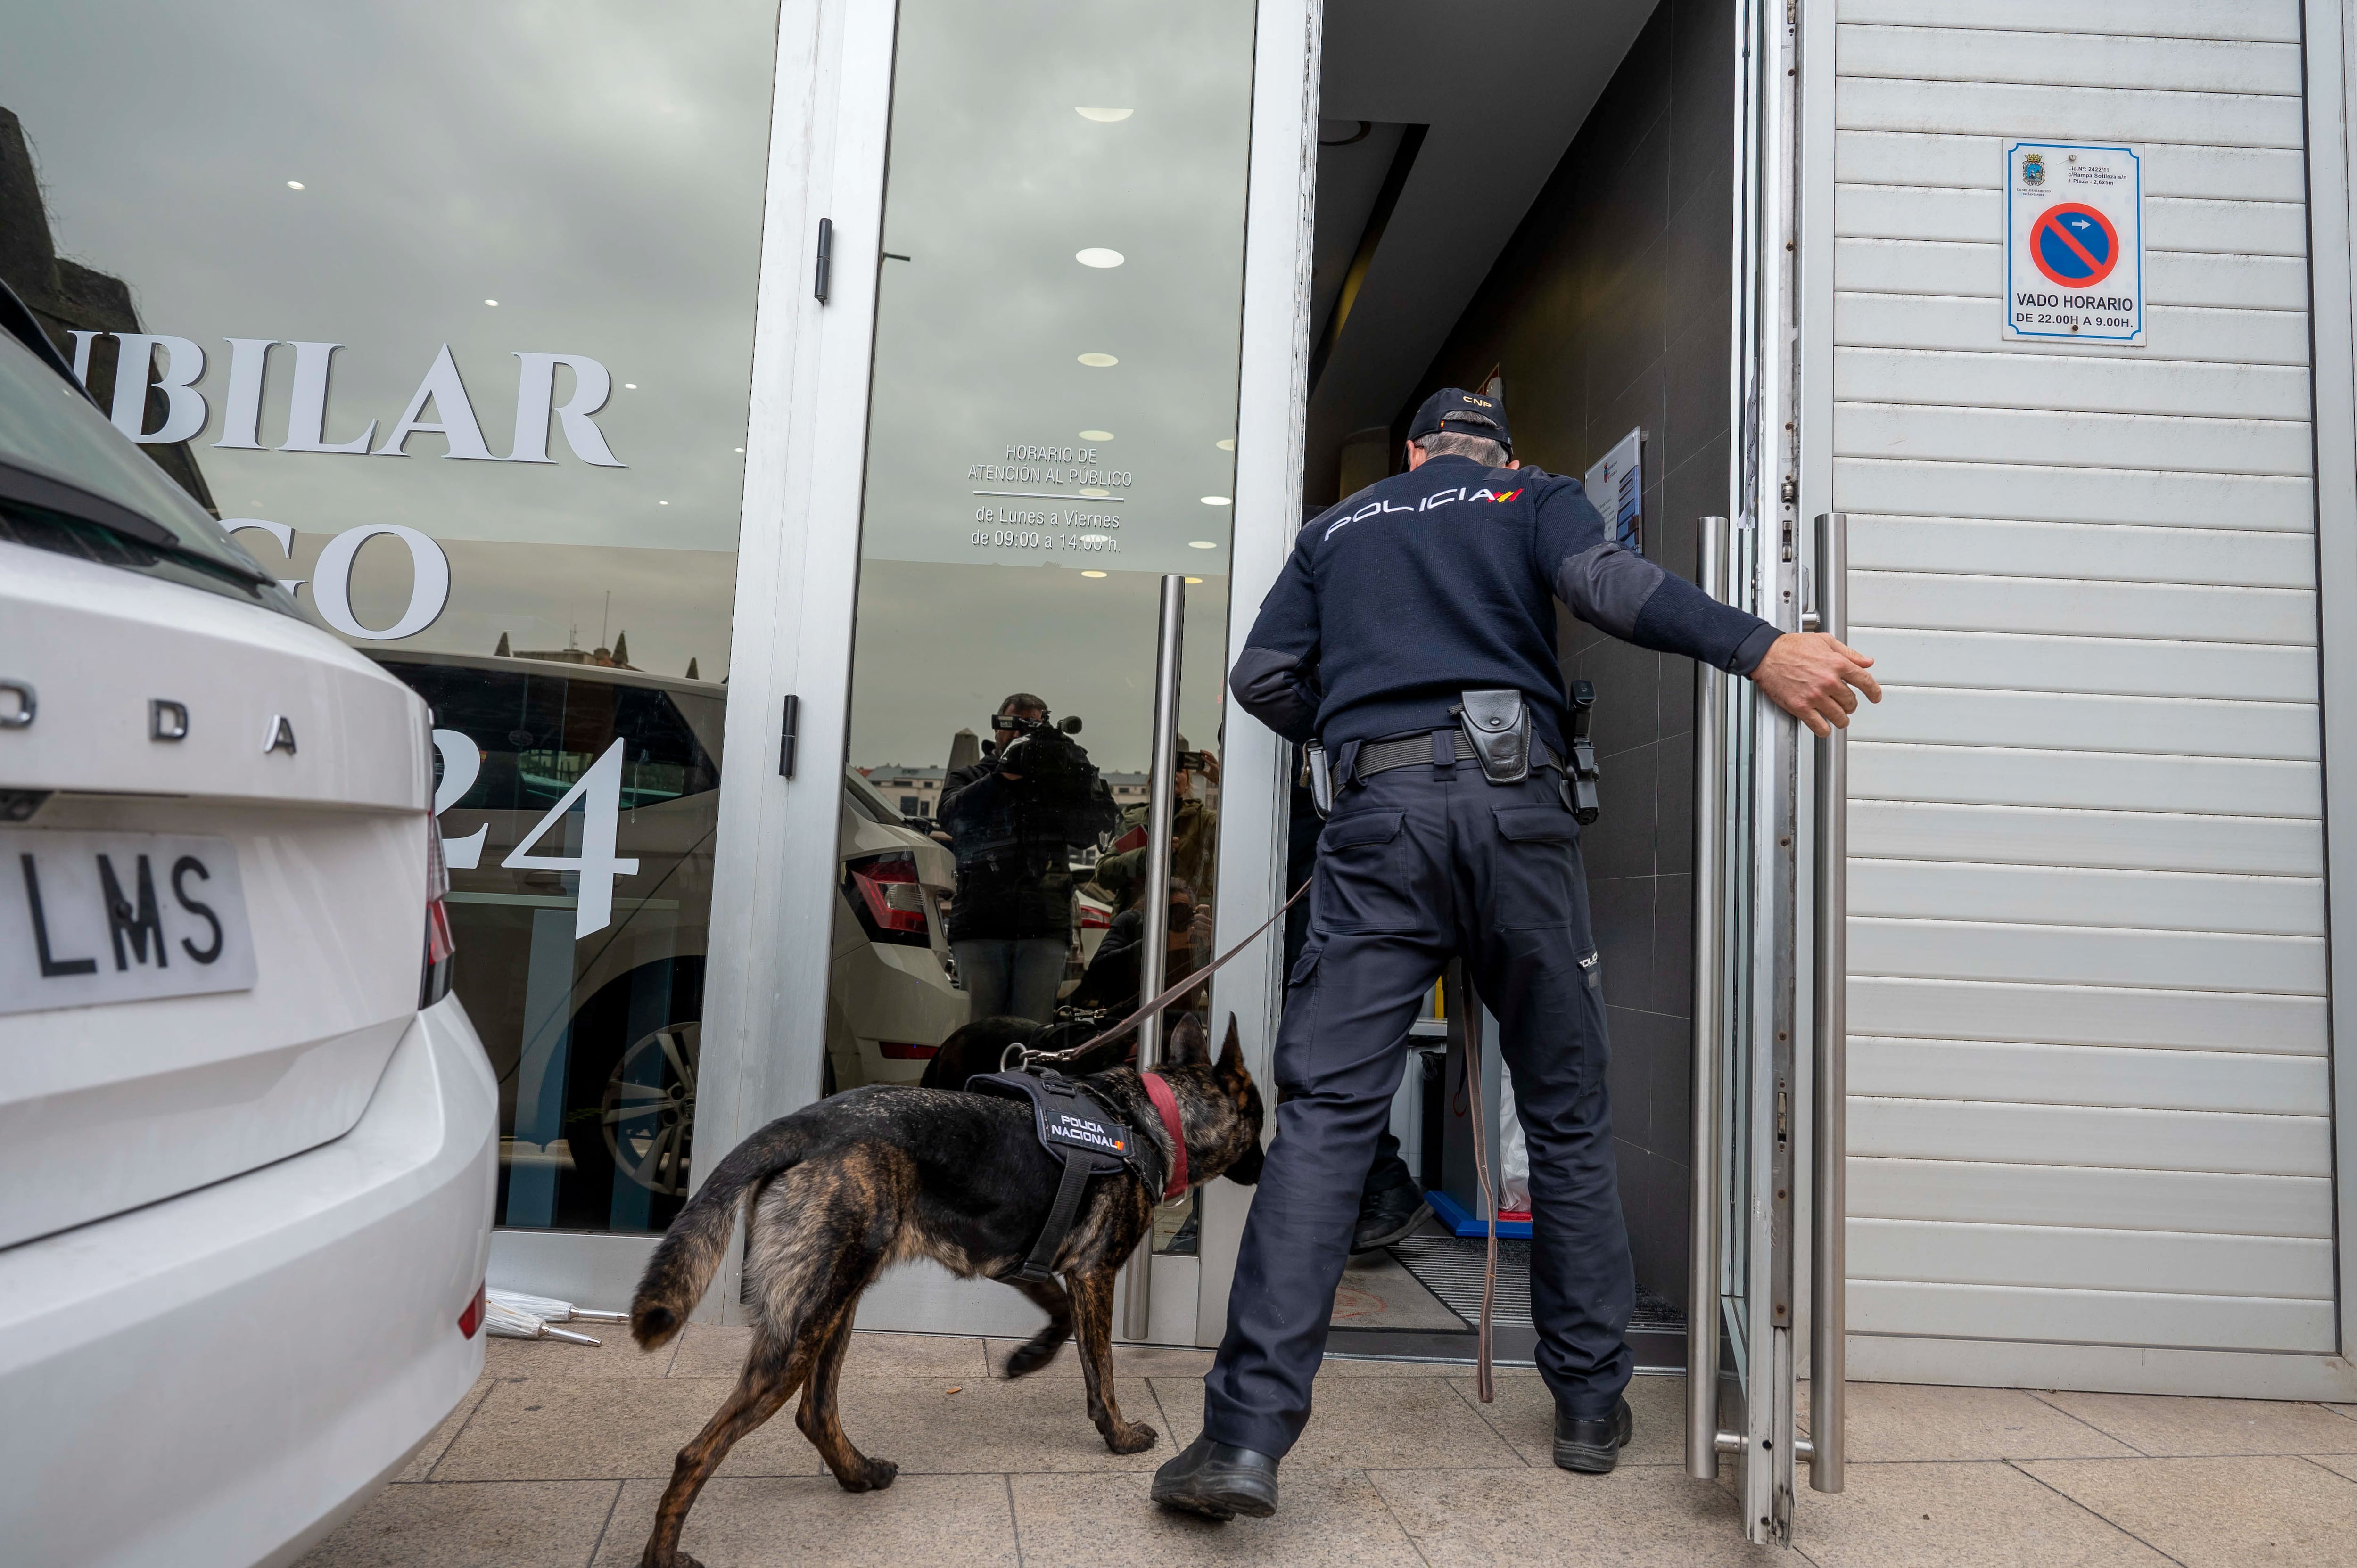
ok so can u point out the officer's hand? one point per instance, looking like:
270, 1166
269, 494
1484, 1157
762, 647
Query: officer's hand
1809, 675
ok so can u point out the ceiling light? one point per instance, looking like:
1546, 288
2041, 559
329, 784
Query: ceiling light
663, 503
1094, 493
1099, 361
493, 302
1191, 581
1217, 501
293, 185
1092, 574
1085, 538
740, 451
1202, 544
1085, 435
629, 386
1098, 256
1104, 116
1227, 446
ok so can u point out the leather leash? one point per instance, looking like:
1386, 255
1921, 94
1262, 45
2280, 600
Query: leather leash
1481, 1379
1021, 1057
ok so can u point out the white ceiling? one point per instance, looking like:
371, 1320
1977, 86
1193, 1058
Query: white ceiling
1503, 87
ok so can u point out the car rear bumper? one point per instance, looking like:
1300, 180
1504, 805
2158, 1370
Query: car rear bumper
223, 1377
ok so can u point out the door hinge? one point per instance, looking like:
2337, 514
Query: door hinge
789, 734
825, 259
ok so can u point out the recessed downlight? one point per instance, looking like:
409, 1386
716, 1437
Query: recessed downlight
1219, 500
492, 303
1227, 446
1098, 256
1086, 434
1104, 116
1202, 544
1092, 574
293, 185
1099, 361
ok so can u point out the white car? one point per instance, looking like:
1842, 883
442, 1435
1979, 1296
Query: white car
247, 1143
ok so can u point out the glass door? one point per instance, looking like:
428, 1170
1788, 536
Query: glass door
1050, 434
467, 361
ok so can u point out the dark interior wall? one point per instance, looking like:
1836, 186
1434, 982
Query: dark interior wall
1610, 311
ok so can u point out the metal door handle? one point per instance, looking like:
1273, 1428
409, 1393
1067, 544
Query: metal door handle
1161, 811
1709, 859
1829, 1274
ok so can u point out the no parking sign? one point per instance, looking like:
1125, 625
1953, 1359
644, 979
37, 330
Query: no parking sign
2074, 242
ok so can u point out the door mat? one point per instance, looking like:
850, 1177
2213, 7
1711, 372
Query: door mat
1451, 1268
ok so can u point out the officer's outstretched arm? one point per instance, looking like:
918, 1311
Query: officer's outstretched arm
1623, 595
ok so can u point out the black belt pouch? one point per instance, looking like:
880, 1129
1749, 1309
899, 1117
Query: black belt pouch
1497, 726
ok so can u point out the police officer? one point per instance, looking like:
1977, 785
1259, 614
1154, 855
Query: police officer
1422, 588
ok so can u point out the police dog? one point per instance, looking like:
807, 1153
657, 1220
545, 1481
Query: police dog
842, 1189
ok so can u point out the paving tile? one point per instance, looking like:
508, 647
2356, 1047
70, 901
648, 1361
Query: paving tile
1957, 1515
1034, 1423
710, 1350
2189, 1428
1370, 1424
772, 1521
1524, 1414
2338, 1464
535, 1524
616, 1355
1549, 1518
2241, 1512
611, 1429
1128, 1360
438, 1442
1902, 1422
1325, 1517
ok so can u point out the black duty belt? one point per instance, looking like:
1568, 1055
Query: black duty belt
1410, 750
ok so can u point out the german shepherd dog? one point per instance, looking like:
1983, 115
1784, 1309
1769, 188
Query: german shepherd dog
842, 1189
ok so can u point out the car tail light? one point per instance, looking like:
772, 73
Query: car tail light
883, 889
1094, 917
906, 1051
470, 1322
439, 944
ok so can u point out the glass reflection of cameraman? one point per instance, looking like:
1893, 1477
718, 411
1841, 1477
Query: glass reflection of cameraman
1013, 818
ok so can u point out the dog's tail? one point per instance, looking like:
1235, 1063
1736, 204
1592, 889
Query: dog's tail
691, 1250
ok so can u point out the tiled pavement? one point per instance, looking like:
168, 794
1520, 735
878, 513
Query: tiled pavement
558, 1456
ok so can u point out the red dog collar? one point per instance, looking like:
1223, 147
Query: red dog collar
1166, 1105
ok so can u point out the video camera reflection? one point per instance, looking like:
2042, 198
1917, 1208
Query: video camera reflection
1013, 818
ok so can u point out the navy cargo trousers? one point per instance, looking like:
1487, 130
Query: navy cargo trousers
1417, 865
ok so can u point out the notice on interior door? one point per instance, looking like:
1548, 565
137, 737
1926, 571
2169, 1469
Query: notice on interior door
2073, 242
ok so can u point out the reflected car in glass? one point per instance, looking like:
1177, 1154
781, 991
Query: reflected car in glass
578, 804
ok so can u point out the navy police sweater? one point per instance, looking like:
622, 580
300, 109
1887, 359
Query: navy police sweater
1437, 581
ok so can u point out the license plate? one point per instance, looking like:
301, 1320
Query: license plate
94, 918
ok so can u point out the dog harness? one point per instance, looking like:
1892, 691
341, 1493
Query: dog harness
1087, 1140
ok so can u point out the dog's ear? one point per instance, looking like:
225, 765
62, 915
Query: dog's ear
1231, 1068
1187, 1044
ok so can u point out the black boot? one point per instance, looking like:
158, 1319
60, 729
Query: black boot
1389, 1216
1218, 1480
1592, 1447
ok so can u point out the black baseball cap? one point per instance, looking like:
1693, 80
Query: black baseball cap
1461, 413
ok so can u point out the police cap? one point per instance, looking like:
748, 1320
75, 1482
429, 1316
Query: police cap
1461, 413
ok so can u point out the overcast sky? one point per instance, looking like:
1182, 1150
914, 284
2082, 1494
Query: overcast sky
595, 165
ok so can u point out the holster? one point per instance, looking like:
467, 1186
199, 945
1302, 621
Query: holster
1497, 724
